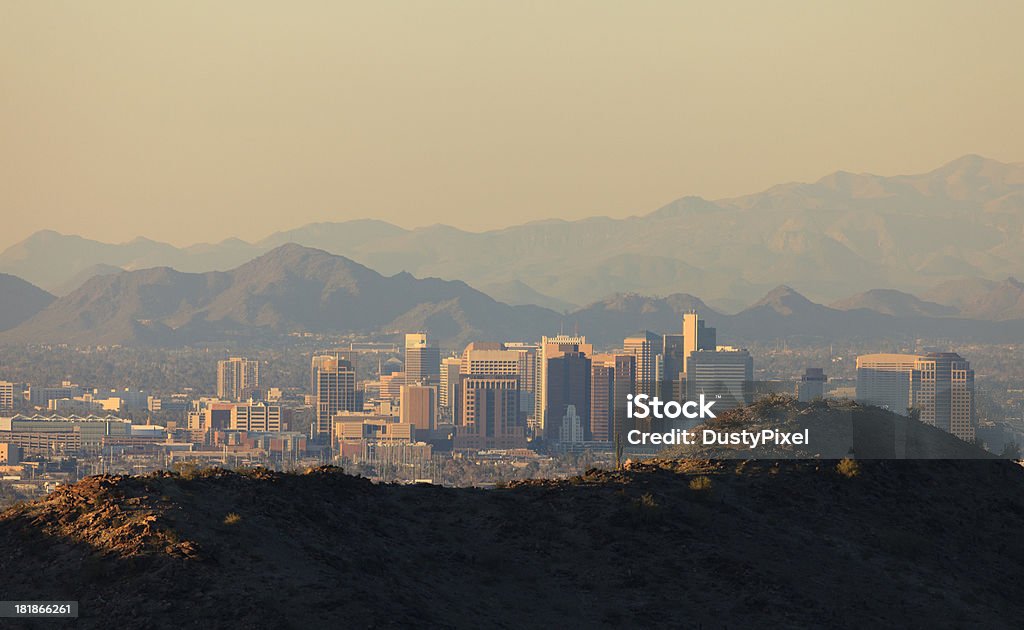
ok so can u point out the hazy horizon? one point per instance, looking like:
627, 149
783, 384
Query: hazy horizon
191, 123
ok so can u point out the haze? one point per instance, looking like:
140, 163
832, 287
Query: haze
190, 122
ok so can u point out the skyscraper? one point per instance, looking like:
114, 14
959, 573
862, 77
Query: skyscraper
340, 354
417, 406
943, 392
696, 336
448, 388
811, 385
422, 361
939, 385
612, 379
552, 347
238, 379
645, 346
724, 375
335, 391
489, 413
883, 380
567, 382
672, 364
6, 396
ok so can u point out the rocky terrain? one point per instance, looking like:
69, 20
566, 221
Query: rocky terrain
667, 543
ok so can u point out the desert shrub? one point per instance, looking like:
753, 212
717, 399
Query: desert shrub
701, 483
232, 518
848, 468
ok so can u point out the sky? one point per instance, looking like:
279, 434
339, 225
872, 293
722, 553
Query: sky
196, 121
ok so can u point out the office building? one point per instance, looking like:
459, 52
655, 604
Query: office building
883, 380
671, 373
725, 375
448, 388
939, 386
391, 386
811, 385
572, 428
418, 406
335, 391
696, 337
257, 417
566, 382
238, 379
422, 361
66, 435
10, 454
7, 396
645, 346
489, 414
553, 347
943, 393
339, 354
612, 379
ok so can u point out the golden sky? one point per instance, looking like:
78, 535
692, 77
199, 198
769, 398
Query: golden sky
195, 121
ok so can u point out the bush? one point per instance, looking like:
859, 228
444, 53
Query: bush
701, 484
232, 519
848, 468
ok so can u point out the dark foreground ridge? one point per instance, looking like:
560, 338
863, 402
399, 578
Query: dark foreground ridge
667, 543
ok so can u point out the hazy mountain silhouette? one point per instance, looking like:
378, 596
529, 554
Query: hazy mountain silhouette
841, 235
893, 302
516, 292
298, 289
289, 289
20, 300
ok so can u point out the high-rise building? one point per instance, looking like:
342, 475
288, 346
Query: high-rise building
725, 375
572, 427
567, 382
939, 385
943, 392
883, 380
339, 354
645, 346
489, 413
418, 406
553, 347
238, 378
391, 386
257, 417
696, 336
448, 389
422, 361
612, 379
529, 373
672, 364
489, 358
335, 391
6, 396
811, 385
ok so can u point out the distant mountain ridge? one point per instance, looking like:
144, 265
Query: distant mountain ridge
841, 235
296, 289
289, 289
19, 300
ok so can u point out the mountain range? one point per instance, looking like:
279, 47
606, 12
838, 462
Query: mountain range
843, 234
296, 289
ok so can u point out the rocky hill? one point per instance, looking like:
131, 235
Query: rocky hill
669, 543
